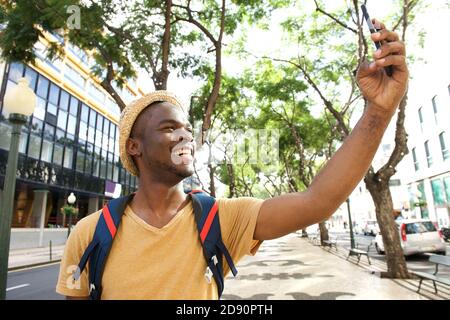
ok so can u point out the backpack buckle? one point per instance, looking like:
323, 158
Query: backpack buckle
91, 288
214, 259
208, 275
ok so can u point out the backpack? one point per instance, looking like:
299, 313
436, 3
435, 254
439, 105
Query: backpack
208, 225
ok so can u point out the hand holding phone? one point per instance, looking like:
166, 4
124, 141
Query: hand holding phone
374, 30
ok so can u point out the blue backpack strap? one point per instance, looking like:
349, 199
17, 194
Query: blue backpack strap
208, 224
98, 250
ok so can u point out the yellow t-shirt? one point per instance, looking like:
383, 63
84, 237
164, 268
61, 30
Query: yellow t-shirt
146, 262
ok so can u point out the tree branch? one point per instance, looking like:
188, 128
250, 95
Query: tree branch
334, 18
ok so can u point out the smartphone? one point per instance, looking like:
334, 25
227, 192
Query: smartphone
372, 29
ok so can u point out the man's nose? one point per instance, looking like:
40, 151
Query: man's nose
186, 135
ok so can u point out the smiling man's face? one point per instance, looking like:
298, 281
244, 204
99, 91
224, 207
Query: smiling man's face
161, 142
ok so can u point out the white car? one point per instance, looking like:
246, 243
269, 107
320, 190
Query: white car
416, 236
371, 228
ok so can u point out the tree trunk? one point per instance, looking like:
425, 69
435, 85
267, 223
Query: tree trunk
214, 95
232, 184
381, 195
160, 77
212, 186
323, 233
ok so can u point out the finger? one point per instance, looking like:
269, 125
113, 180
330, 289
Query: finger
388, 48
385, 35
364, 69
378, 25
394, 60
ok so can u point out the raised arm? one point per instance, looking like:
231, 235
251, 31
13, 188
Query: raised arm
335, 182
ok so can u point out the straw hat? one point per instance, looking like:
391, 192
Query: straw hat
129, 116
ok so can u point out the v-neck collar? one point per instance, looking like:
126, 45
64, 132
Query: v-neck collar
130, 213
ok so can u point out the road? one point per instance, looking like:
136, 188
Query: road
33, 284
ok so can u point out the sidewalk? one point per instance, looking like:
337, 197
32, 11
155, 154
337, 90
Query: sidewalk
293, 268
28, 257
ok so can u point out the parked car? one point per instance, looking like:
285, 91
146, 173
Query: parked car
357, 229
416, 236
371, 227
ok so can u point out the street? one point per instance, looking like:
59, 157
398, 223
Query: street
33, 284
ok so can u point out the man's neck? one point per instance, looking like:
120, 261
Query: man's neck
157, 202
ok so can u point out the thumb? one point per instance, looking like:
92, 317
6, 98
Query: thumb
365, 68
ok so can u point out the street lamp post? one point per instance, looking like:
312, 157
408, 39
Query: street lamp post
352, 236
71, 200
19, 102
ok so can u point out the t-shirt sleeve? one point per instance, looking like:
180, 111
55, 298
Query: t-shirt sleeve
237, 223
79, 239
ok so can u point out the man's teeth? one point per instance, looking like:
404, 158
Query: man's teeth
184, 151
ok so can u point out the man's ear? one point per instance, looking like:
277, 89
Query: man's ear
133, 147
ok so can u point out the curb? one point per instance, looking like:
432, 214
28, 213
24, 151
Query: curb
39, 264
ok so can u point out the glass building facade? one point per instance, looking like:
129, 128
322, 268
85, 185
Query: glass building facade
67, 146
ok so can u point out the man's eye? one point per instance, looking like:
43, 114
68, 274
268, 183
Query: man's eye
170, 129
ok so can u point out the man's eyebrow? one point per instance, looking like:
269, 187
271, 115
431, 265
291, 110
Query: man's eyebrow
187, 124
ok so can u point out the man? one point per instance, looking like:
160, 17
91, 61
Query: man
156, 253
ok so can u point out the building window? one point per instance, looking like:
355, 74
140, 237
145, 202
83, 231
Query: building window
428, 154
47, 144
5, 135
64, 101
84, 113
34, 147
39, 110
89, 153
80, 159
438, 192
68, 158
71, 124
420, 118
62, 119
15, 71
96, 93
60, 136
73, 106
96, 166
102, 169
100, 123
32, 76
58, 154
53, 94
447, 188
74, 77
82, 132
423, 199
435, 108
98, 137
92, 118
42, 87
416, 163
444, 147
52, 109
